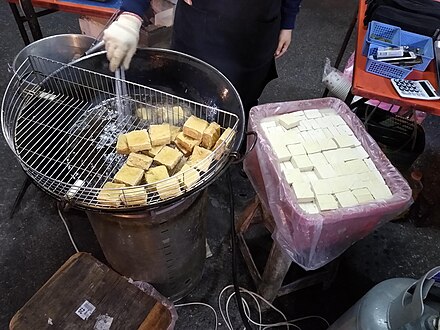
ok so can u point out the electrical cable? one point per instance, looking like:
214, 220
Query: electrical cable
234, 255
202, 304
67, 228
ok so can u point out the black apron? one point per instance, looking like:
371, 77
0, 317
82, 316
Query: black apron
238, 37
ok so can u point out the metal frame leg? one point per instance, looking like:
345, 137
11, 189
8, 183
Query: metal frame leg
32, 19
20, 24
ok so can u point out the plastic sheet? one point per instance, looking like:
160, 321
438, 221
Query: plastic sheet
313, 240
151, 291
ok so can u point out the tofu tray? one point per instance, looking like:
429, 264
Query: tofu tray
70, 138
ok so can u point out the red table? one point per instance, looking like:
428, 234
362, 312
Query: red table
372, 86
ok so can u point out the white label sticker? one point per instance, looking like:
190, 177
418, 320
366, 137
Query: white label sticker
85, 310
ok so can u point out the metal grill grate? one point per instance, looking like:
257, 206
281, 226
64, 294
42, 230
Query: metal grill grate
63, 128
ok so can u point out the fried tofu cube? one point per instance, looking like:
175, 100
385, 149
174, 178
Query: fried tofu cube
201, 158
139, 160
226, 137
210, 135
169, 157
109, 194
142, 113
185, 143
160, 135
169, 188
131, 176
155, 174
188, 176
153, 151
138, 140
122, 145
134, 196
174, 130
194, 127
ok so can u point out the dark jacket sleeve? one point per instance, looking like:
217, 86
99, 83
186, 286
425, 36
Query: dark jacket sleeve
138, 7
289, 10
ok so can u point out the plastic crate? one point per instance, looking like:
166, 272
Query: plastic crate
425, 45
384, 69
381, 34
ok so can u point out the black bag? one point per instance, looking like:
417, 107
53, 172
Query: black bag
418, 16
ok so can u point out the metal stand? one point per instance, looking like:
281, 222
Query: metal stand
24, 187
30, 17
270, 283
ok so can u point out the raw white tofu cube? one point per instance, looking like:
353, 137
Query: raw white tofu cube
337, 120
332, 156
379, 190
321, 187
347, 154
296, 149
341, 168
312, 114
315, 124
293, 175
376, 174
344, 130
285, 166
275, 131
370, 164
305, 125
318, 159
344, 141
299, 113
327, 112
327, 133
295, 130
282, 153
324, 171
326, 202
289, 137
340, 183
306, 136
302, 162
361, 153
312, 147
319, 134
334, 131
289, 120
310, 208
327, 144
303, 192
357, 166
360, 181
309, 176
362, 195
268, 123
346, 199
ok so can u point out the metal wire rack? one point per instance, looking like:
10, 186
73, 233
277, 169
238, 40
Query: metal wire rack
63, 129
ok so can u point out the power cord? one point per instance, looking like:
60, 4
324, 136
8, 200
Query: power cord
60, 213
243, 316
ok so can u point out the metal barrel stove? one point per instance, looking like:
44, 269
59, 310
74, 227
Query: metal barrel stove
61, 122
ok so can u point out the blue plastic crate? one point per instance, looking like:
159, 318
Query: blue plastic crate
381, 34
425, 45
384, 69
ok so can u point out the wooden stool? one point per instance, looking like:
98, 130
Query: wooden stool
270, 283
86, 294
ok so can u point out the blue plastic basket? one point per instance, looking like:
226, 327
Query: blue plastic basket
381, 34
425, 45
384, 69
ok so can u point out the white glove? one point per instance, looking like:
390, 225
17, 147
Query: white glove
121, 39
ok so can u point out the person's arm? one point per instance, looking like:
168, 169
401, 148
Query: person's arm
122, 36
289, 11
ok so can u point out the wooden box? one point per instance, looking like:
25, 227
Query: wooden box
86, 294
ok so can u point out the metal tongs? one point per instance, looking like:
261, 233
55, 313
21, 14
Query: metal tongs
121, 92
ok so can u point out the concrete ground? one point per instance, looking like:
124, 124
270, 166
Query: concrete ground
34, 244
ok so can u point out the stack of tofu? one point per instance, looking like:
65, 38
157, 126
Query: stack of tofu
323, 161
169, 159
